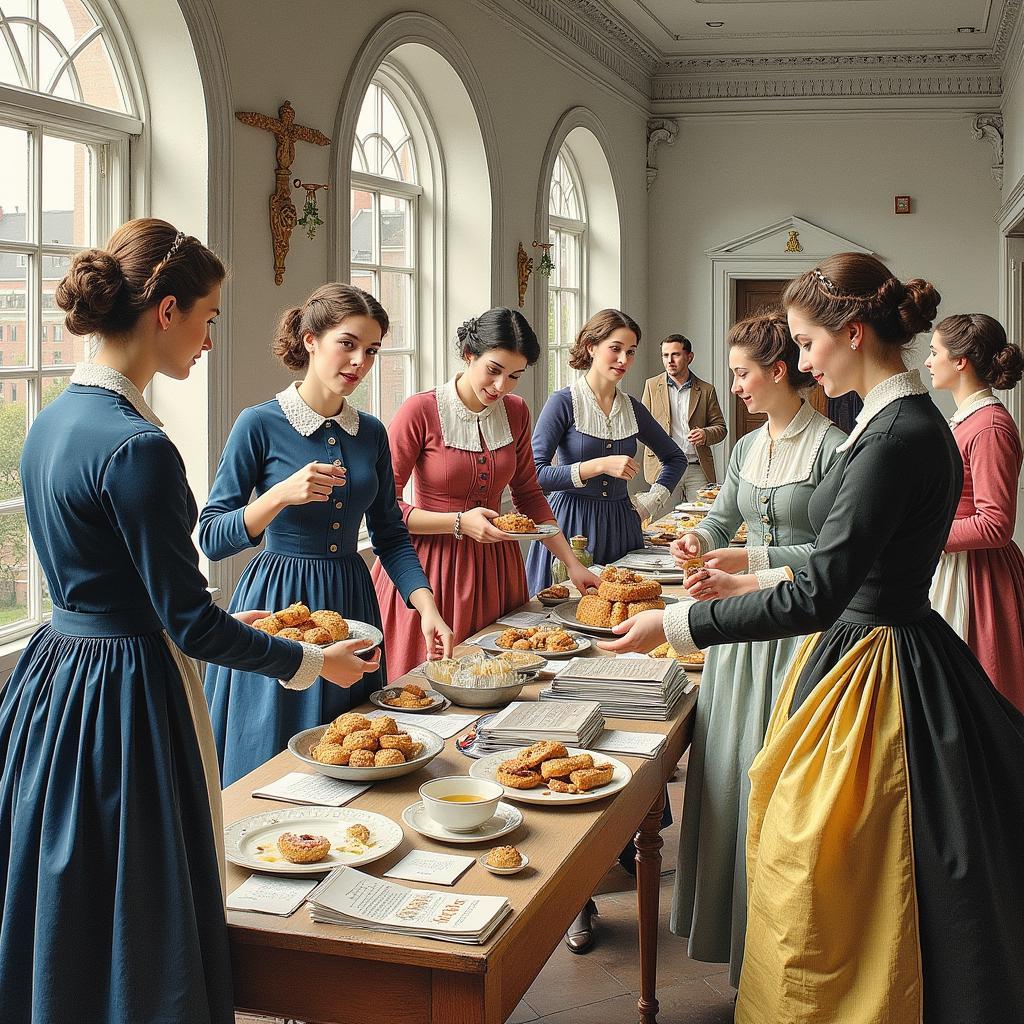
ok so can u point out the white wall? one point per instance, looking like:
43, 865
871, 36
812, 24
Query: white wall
728, 175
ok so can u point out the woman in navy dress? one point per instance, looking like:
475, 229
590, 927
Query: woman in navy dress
317, 467
111, 842
885, 838
593, 427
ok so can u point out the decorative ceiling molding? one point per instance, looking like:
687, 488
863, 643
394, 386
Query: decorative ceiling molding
659, 130
990, 127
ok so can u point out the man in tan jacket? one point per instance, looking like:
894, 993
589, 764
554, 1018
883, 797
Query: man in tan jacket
688, 410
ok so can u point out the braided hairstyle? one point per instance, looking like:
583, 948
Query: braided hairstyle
500, 327
105, 291
854, 286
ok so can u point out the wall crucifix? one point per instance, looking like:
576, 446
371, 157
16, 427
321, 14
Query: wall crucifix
283, 215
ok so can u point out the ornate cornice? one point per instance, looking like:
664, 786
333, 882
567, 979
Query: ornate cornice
818, 62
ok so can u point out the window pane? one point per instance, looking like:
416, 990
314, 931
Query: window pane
362, 397
13, 569
568, 325
53, 387
363, 279
553, 338
568, 260
567, 375
395, 237
363, 218
395, 383
60, 346
16, 62
13, 425
97, 77
68, 20
13, 183
396, 297
68, 189
50, 60
14, 343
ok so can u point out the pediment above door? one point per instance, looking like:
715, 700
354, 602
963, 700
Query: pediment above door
779, 240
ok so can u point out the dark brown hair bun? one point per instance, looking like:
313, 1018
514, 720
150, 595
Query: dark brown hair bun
981, 340
765, 336
89, 291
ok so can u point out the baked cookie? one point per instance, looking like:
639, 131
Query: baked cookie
330, 753
362, 759
384, 758
590, 778
303, 849
542, 750
268, 624
293, 614
359, 832
562, 767
365, 739
519, 777
332, 622
504, 857
383, 726
397, 741
561, 786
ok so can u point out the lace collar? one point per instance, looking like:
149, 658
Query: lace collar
899, 385
589, 418
461, 427
979, 400
307, 421
791, 458
92, 375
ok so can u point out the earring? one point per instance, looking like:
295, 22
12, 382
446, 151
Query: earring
853, 345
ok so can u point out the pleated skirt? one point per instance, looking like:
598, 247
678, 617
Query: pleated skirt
885, 837
112, 901
254, 716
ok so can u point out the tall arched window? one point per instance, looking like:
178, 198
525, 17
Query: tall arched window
567, 224
385, 210
66, 116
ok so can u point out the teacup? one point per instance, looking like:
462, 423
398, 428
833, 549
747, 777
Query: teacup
478, 800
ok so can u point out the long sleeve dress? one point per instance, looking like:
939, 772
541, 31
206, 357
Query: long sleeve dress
459, 460
979, 584
885, 838
111, 842
574, 427
768, 486
310, 555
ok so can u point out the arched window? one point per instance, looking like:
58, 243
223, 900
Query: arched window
385, 211
567, 232
66, 117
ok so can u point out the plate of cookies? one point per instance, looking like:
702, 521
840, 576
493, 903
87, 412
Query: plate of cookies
360, 749
548, 772
411, 697
523, 527
322, 627
555, 594
310, 840
548, 641
621, 595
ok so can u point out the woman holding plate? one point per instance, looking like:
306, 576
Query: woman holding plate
462, 444
317, 466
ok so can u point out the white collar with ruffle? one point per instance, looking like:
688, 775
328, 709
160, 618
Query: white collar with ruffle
91, 375
589, 418
307, 421
461, 427
979, 400
790, 459
899, 385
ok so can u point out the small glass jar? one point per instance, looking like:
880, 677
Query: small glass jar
559, 573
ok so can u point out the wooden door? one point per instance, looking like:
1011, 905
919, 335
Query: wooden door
752, 297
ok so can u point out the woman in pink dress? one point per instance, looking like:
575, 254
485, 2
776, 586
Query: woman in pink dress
979, 583
463, 443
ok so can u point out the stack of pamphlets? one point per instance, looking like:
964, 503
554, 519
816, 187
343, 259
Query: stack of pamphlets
640, 688
574, 723
350, 897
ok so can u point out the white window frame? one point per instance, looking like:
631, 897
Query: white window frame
110, 134
558, 225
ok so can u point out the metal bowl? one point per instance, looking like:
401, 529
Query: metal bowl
480, 696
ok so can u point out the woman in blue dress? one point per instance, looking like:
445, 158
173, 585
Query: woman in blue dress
593, 427
317, 467
772, 474
111, 842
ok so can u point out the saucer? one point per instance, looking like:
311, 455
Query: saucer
502, 871
506, 819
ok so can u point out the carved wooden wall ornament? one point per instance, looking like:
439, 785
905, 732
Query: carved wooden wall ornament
283, 216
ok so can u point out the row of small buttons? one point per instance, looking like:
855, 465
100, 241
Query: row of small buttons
333, 548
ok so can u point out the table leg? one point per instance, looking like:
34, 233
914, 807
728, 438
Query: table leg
648, 844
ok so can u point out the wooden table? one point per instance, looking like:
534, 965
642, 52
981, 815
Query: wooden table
291, 967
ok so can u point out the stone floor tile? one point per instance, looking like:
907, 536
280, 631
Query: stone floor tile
522, 1014
569, 981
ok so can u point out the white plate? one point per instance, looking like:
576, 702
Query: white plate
694, 506
506, 819
583, 643
503, 871
487, 768
242, 838
566, 613
361, 631
438, 701
543, 532
301, 742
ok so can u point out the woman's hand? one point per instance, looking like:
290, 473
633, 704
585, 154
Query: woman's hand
684, 548
476, 524
249, 617
728, 559
582, 578
437, 635
620, 466
343, 667
643, 633
311, 483
711, 583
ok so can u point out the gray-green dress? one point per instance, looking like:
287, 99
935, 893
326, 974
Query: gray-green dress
767, 486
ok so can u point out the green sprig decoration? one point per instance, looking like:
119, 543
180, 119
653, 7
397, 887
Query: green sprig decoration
310, 219
546, 264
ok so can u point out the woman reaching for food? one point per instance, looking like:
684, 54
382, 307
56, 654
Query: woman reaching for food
462, 443
317, 467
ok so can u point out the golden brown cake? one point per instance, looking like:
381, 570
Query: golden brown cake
303, 849
504, 857
624, 585
513, 522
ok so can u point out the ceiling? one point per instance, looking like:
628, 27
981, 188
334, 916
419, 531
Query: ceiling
670, 29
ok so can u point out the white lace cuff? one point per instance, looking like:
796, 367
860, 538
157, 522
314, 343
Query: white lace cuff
758, 560
707, 542
577, 479
309, 669
677, 627
768, 578
651, 504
